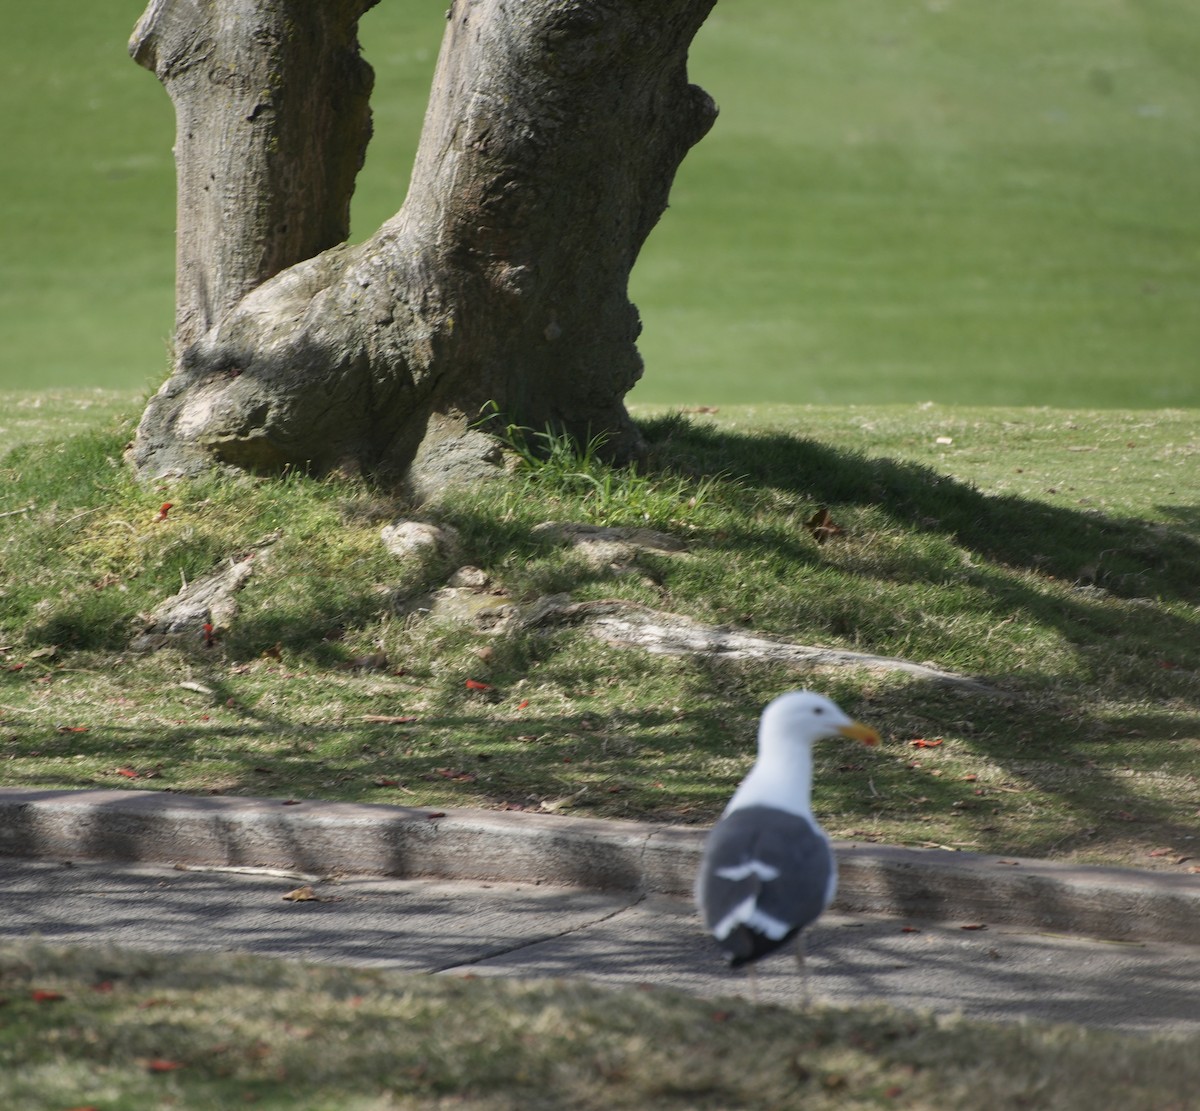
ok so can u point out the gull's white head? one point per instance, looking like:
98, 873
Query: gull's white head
805, 717
782, 774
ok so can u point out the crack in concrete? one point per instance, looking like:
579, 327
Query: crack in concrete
529, 943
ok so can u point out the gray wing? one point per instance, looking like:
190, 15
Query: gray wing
764, 876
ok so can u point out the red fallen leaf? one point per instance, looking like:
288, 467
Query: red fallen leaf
476, 685
436, 814
1166, 665
909, 930
161, 1064
1162, 852
40, 996
974, 926
164, 509
387, 781
456, 774
103, 987
85, 1107
210, 637
970, 778
73, 728
894, 1092
15, 667
128, 773
921, 742
822, 526
721, 1016
523, 703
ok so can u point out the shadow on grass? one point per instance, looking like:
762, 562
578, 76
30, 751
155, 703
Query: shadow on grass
1131, 558
453, 757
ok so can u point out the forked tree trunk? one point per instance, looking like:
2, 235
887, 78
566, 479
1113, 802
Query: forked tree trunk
553, 133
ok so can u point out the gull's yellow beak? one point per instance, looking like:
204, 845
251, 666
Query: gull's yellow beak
860, 732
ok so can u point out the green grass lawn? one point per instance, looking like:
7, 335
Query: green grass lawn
124, 1032
962, 202
1053, 555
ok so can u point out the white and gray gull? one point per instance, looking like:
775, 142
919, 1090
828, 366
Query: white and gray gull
768, 869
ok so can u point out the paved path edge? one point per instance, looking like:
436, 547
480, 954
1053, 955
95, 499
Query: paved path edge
334, 838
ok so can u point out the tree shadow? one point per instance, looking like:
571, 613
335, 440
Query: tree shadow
1128, 557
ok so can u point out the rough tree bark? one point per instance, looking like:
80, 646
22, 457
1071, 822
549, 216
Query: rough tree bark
553, 133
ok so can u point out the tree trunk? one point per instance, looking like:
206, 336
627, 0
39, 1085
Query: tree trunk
552, 136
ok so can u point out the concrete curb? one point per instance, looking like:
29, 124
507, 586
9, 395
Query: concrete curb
330, 838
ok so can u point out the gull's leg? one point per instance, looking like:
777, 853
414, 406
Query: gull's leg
802, 968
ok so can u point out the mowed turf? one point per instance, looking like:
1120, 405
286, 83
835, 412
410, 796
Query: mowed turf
1051, 555
961, 202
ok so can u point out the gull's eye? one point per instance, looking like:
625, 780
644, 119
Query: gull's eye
818, 709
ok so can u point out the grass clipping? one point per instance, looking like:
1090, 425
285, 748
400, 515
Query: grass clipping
117, 1029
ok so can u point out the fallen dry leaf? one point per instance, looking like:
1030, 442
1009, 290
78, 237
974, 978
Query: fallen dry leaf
128, 773
303, 894
476, 685
974, 926
455, 774
921, 742
822, 526
389, 719
161, 1064
40, 996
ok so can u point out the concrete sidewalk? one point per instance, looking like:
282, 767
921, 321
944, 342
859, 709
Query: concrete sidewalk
620, 939
536, 895
329, 838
